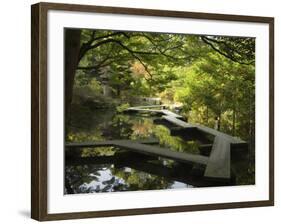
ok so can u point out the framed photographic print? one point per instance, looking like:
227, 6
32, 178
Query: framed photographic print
139, 111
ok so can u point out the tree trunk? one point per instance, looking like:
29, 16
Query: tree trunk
218, 122
106, 90
233, 121
118, 91
207, 115
71, 57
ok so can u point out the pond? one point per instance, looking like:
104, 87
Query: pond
111, 169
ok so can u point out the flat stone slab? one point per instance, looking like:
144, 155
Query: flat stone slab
219, 164
147, 150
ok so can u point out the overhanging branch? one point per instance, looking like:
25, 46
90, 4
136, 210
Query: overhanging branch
208, 41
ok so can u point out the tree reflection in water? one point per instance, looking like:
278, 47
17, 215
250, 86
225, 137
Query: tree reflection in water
107, 178
132, 173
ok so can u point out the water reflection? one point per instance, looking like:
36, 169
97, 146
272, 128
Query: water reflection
111, 179
108, 126
108, 169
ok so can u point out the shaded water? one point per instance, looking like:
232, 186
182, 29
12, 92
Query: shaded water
107, 169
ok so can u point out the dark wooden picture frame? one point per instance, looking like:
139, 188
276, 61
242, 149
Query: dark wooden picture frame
39, 105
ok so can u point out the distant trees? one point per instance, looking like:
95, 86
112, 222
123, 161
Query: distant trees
212, 76
118, 52
218, 90
237, 49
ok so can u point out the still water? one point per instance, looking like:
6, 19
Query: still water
108, 169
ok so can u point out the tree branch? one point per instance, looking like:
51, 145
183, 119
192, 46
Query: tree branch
162, 51
94, 66
133, 53
87, 46
208, 42
111, 35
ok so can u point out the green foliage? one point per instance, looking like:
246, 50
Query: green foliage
174, 143
214, 86
211, 79
122, 107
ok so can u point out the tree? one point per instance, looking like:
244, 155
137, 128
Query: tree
71, 55
216, 87
237, 49
92, 50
